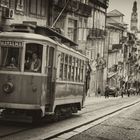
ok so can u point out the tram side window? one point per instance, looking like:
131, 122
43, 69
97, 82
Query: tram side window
33, 57
73, 69
81, 71
70, 66
66, 67
76, 68
61, 66
50, 60
10, 58
79, 68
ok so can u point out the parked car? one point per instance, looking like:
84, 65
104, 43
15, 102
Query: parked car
112, 91
132, 91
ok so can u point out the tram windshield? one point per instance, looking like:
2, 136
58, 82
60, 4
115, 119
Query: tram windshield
10, 58
33, 57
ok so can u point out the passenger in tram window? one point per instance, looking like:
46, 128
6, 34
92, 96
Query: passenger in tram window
12, 63
35, 63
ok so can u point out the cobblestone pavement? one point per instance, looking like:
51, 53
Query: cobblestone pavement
124, 126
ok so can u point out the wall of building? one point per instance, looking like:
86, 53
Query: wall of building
115, 56
95, 47
24, 10
118, 19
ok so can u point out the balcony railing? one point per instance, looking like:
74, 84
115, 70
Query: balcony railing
102, 3
95, 32
74, 6
114, 68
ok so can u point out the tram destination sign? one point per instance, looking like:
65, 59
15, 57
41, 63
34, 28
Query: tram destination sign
11, 43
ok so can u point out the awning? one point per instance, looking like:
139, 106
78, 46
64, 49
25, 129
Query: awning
111, 74
116, 46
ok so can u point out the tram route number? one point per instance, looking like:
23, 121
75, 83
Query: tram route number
11, 43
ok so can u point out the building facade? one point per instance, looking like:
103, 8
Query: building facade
96, 44
134, 19
18, 11
115, 48
131, 60
73, 21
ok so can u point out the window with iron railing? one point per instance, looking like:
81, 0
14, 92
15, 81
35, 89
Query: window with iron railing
20, 5
37, 7
4, 3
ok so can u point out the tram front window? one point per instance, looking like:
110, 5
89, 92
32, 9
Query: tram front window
33, 57
10, 58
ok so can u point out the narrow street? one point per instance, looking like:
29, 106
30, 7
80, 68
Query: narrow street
94, 109
56, 53
124, 126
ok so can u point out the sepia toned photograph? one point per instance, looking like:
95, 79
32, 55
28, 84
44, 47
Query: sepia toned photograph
69, 70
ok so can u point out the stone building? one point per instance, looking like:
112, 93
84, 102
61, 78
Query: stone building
96, 44
83, 21
131, 60
73, 21
114, 49
17, 11
134, 18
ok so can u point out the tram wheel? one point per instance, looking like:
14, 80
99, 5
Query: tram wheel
57, 115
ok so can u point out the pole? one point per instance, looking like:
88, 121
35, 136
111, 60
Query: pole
60, 14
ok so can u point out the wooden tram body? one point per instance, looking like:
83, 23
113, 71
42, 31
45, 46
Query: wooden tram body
59, 86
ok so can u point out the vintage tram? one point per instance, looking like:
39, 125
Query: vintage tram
55, 85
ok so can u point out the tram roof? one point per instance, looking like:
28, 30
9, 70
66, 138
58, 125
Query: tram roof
22, 35
33, 36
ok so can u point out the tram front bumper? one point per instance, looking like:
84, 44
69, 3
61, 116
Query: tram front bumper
21, 106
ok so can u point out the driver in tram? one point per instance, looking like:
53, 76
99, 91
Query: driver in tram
35, 63
12, 63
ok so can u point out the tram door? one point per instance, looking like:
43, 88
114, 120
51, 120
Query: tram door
50, 75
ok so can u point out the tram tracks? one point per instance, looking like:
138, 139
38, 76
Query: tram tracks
89, 111
12, 128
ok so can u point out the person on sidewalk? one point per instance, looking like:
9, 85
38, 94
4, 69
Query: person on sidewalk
99, 91
122, 91
128, 92
87, 81
107, 91
138, 91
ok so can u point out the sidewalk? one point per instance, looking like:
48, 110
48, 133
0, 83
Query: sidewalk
98, 99
104, 108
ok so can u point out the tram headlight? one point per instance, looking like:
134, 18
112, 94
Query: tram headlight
8, 87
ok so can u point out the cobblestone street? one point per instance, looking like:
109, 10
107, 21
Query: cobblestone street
124, 126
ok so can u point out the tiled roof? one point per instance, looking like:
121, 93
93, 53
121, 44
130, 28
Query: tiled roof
113, 23
114, 13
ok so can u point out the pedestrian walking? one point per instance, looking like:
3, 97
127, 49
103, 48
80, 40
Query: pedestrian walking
106, 91
99, 91
139, 91
122, 91
128, 92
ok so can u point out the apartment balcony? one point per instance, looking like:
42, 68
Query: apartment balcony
74, 6
102, 3
114, 68
123, 39
96, 33
116, 46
